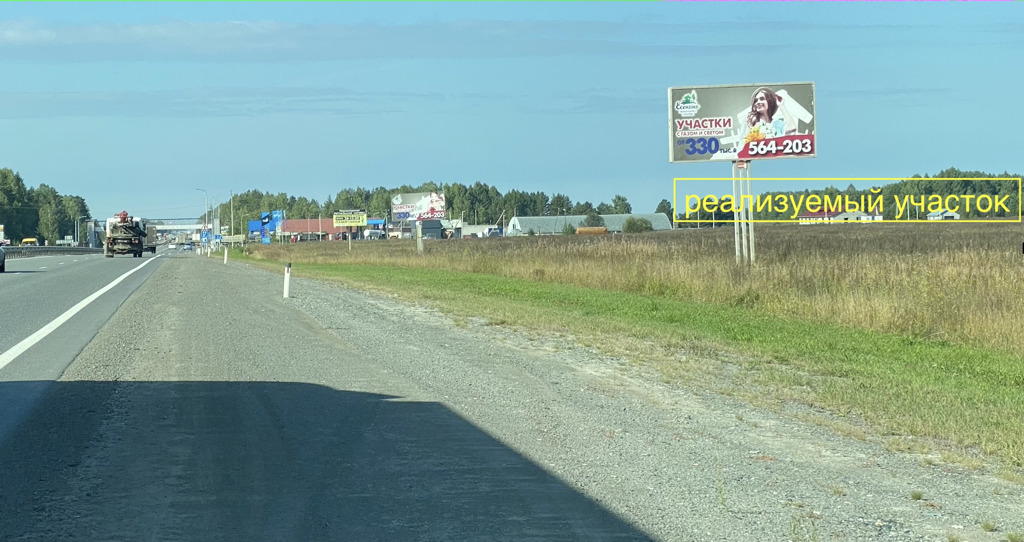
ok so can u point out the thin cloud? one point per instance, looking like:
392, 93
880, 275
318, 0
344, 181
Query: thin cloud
228, 102
922, 96
205, 102
264, 41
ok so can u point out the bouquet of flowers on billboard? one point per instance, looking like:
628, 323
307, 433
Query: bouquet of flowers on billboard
771, 128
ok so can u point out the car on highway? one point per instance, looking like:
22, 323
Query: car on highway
3, 259
172, 246
188, 246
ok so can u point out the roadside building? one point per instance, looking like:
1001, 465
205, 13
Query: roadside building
323, 229
943, 215
554, 225
818, 217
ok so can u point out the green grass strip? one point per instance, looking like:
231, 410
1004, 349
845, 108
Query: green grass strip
900, 385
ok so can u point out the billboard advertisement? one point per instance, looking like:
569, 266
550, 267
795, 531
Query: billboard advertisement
741, 122
419, 206
349, 218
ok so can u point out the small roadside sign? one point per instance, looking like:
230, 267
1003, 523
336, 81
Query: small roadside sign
349, 218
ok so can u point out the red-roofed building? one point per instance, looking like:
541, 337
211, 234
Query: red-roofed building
818, 217
322, 229
832, 216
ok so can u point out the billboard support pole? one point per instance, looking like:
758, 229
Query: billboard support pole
736, 215
419, 237
750, 215
744, 225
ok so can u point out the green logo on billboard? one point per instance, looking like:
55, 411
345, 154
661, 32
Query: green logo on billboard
687, 106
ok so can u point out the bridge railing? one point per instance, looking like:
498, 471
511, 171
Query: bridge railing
28, 252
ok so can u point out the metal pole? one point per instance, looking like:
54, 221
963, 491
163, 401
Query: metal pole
232, 214
419, 237
735, 215
206, 208
744, 226
751, 225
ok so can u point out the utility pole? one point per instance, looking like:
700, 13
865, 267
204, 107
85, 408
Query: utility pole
78, 235
232, 213
206, 211
206, 206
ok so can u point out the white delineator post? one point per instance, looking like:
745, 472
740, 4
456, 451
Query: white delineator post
287, 278
225, 255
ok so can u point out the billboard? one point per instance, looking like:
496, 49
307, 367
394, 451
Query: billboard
741, 122
419, 206
349, 218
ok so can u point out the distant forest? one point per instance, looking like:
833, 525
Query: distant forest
43, 212
481, 203
40, 212
476, 204
916, 185
921, 185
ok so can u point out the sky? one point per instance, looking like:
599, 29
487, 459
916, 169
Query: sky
140, 106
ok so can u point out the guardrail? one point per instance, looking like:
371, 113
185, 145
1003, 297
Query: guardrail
28, 252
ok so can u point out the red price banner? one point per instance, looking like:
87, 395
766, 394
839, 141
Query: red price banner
791, 145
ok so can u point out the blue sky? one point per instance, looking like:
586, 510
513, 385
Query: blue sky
136, 105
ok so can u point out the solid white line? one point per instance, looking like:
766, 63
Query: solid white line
32, 339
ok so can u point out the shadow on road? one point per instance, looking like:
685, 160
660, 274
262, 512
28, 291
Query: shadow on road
272, 461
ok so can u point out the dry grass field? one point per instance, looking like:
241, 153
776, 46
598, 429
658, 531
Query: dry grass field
902, 331
961, 283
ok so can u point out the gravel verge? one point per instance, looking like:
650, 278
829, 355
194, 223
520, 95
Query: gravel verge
681, 463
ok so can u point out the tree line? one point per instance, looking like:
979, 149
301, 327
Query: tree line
44, 213
478, 203
917, 186
39, 212
920, 186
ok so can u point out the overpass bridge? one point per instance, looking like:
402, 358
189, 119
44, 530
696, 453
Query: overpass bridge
179, 224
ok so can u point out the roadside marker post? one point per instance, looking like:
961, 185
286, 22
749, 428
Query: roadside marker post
287, 278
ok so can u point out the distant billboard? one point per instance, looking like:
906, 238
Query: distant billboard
741, 122
418, 206
349, 218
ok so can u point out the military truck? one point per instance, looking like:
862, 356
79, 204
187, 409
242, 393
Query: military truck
126, 235
150, 242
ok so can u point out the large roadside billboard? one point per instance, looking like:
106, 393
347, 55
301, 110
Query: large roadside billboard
741, 122
418, 206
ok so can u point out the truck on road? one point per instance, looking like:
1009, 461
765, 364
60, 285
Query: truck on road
150, 242
127, 235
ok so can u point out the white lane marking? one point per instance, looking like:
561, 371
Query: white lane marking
32, 339
43, 267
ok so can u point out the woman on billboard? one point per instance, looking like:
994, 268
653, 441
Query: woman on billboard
768, 118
